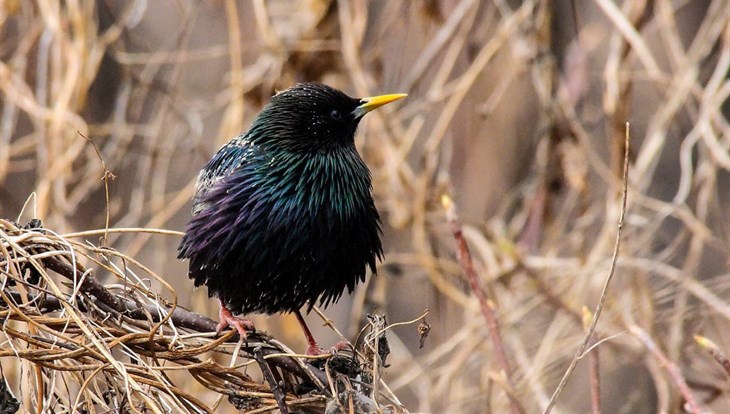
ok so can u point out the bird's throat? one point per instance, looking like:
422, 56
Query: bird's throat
335, 183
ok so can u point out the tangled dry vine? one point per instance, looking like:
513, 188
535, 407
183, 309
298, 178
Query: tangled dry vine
93, 346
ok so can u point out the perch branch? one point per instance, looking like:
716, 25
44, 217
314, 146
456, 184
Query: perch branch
279, 394
181, 318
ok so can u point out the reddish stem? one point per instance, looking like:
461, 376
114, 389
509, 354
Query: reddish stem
594, 373
487, 307
674, 373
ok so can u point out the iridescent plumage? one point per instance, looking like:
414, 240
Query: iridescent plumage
283, 214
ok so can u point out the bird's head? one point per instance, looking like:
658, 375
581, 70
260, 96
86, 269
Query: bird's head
313, 116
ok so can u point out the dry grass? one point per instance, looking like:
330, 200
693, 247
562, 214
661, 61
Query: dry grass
517, 112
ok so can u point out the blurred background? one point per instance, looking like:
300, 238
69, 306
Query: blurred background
516, 109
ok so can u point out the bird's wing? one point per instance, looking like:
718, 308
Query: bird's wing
230, 157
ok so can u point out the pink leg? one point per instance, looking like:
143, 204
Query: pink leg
227, 319
313, 348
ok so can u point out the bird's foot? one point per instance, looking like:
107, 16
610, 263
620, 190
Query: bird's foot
314, 350
227, 319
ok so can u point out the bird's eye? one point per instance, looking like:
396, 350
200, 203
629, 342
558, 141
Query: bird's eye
336, 115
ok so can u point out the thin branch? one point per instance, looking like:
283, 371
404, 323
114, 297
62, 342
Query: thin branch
715, 352
670, 366
604, 293
594, 367
487, 306
105, 177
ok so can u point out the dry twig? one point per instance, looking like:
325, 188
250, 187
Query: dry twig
604, 292
486, 305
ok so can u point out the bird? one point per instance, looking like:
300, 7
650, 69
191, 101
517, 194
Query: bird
283, 215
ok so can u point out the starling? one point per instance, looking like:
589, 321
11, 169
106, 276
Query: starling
283, 215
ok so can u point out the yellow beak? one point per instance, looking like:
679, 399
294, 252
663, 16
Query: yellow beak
372, 102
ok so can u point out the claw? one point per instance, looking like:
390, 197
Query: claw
228, 320
313, 349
